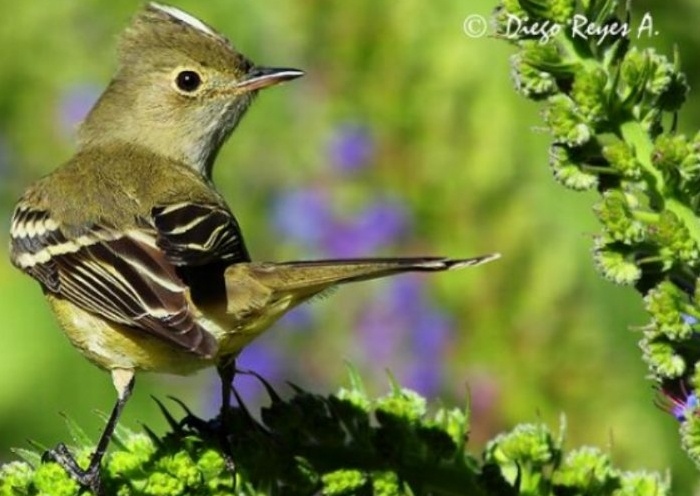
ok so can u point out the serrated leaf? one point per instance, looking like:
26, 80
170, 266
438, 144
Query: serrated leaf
77, 434
33, 458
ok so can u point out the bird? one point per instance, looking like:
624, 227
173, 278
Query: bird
140, 258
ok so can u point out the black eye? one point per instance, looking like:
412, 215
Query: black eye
188, 81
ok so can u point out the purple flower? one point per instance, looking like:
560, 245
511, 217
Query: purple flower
74, 105
683, 409
402, 330
300, 318
407, 295
676, 400
306, 216
303, 215
423, 376
379, 225
350, 148
262, 358
379, 332
385, 325
382, 223
432, 332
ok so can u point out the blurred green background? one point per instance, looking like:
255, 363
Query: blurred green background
404, 138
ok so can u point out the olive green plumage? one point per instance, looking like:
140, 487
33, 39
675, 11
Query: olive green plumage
140, 258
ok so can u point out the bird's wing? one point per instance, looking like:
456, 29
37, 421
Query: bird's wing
124, 276
195, 234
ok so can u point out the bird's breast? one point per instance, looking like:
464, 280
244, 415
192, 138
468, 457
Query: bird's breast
110, 345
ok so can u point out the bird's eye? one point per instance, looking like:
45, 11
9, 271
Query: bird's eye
188, 81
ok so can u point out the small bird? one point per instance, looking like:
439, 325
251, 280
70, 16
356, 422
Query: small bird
139, 256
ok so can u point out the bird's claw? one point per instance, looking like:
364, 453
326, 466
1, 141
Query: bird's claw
88, 478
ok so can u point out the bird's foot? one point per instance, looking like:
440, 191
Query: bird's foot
88, 478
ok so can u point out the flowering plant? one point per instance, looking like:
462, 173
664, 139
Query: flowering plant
610, 109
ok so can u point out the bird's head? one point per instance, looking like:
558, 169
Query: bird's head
180, 89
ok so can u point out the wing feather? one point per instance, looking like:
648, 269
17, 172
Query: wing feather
199, 234
122, 276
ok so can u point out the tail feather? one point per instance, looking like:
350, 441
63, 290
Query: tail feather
252, 287
394, 264
323, 273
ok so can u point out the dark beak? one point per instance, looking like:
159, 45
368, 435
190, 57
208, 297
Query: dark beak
262, 77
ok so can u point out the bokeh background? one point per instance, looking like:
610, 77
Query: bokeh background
405, 138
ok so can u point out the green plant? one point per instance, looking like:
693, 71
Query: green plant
341, 444
610, 109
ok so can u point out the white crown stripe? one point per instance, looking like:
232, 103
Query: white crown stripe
184, 17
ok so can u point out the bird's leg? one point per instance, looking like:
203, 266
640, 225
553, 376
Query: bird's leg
227, 371
90, 478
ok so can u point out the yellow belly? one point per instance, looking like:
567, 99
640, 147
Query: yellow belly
111, 346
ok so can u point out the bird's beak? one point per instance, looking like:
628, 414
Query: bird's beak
262, 77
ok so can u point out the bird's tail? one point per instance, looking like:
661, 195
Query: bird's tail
255, 284
297, 275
